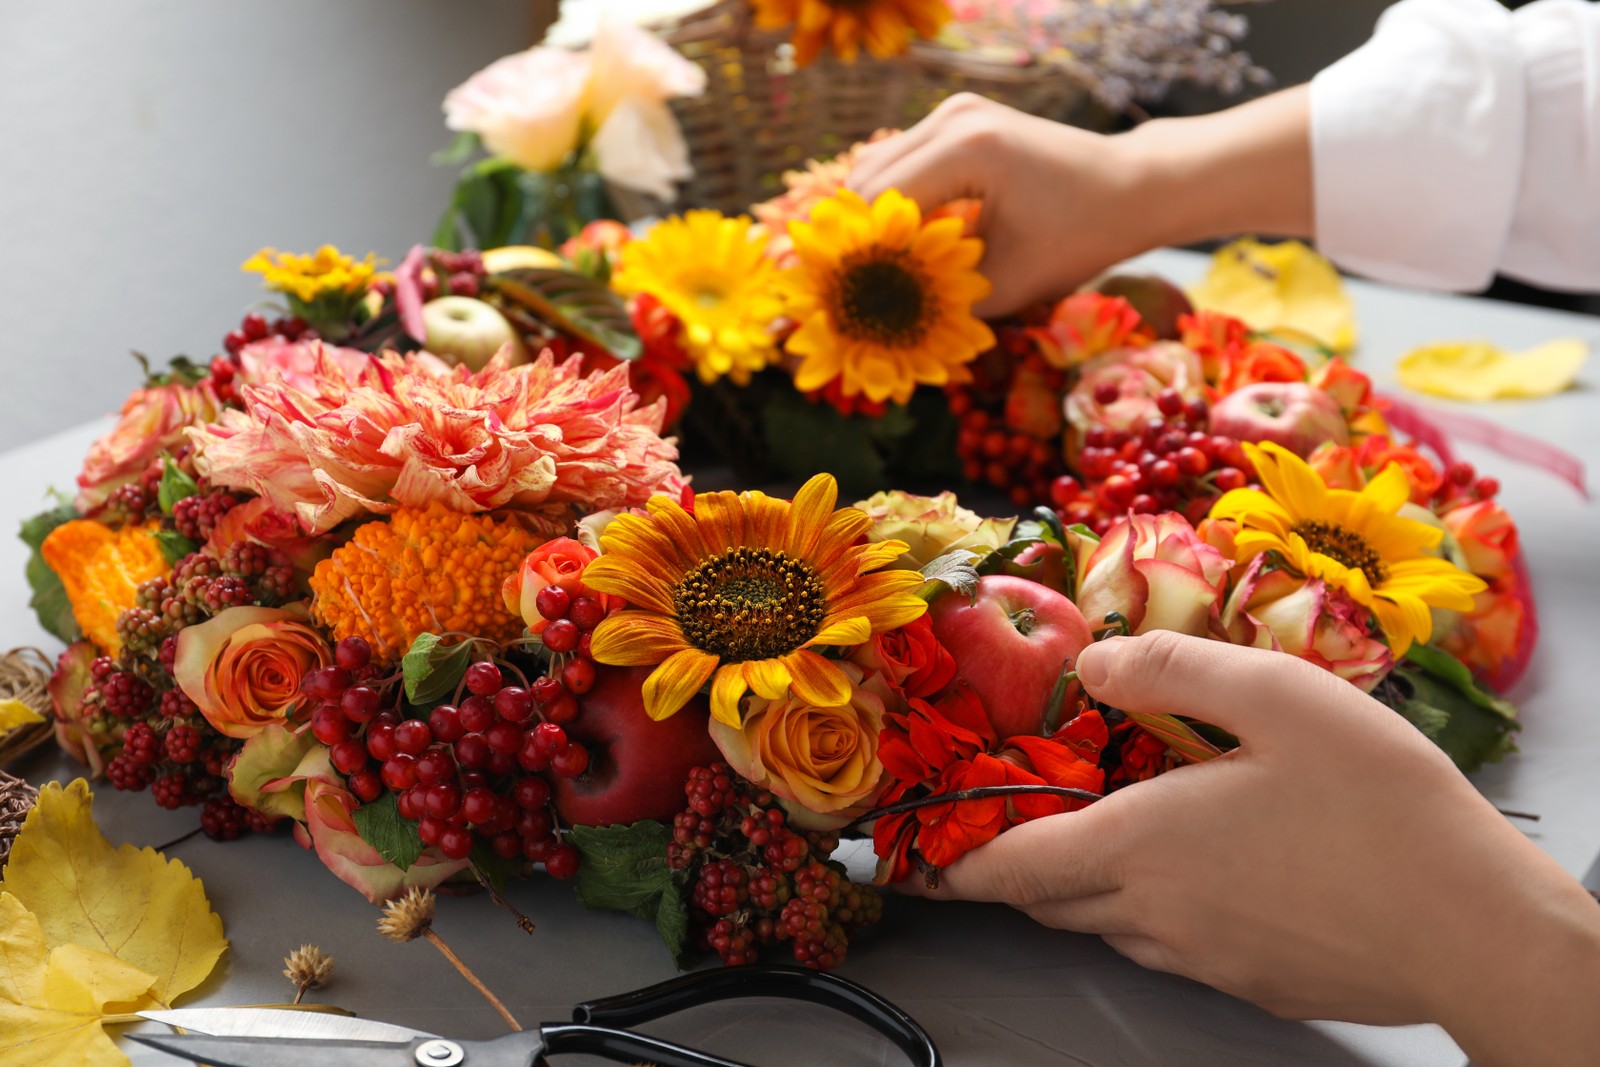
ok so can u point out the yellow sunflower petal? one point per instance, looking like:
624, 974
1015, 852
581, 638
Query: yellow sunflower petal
727, 689
636, 639
1389, 489
1252, 508
769, 678
620, 577
1405, 621
679, 677
817, 681
808, 515
879, 554
721, 520
845, 632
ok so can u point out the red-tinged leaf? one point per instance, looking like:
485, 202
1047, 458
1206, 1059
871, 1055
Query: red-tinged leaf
571, 302
1178, 736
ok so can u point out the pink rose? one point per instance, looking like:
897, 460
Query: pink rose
1138, 376
294, 363
330, 829
1306, 618
559, 562
243, 667
152, 422
1154, 571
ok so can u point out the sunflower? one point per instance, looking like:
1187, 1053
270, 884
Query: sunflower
713, 273
884, 26
1352, 540
743, 590
882, 299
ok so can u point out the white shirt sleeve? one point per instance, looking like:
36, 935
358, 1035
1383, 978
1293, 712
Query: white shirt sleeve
1463, 140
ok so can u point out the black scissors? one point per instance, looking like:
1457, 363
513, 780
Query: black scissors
269, 1037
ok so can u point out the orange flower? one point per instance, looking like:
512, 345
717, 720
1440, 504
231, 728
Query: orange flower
1259, 361
152, 422
1086, 324
1212, 336
560, 563
1378, 451
101, 569
243, 667
909, 658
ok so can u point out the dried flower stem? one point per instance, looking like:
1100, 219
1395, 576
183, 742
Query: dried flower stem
523, 922
466, 972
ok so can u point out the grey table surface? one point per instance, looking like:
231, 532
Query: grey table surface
991, 987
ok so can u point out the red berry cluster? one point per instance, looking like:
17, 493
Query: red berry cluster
755, 881
252, 328
1010, 460
470, 773
195, 517
1170, 464
1461, 485
456, 273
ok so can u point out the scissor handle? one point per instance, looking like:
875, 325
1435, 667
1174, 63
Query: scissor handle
762, 980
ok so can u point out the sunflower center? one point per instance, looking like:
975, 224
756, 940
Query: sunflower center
879, 297
750, 604
1346, 546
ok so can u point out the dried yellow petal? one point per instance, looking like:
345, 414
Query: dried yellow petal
1478, 370
1281, 288
14, 713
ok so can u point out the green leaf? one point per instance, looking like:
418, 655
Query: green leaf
572, 302
49, 600
625, 868
174, 546
380, 825
1433, 690
952, 572
458, 152
431, 669
1452, 672
180, 370
175, 486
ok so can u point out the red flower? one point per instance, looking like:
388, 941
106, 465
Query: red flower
1213, 337
1143, 756
910, 658
931, 749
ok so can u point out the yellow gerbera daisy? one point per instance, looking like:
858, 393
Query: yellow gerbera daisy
310, 277
744, 589
1352, 540
883, 300
713, 273
884, 26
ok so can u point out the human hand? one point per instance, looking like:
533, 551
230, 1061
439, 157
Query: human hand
1336, 865
1059, 202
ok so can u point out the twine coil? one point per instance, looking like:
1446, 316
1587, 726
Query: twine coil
25, 676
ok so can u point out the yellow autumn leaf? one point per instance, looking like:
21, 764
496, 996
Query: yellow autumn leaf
1478, 370
1283, 287
148, 911
14, 713
52, 1000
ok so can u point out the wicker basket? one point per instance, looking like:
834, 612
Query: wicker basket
760, 116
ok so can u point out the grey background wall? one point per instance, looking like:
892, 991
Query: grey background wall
147, 147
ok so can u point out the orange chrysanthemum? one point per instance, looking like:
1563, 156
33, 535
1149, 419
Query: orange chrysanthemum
885, 27
742, 591
422, 571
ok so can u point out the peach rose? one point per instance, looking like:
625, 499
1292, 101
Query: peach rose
561, 563
330, 829
1487, 536
1305, 618
152, 422
1153, 570
822, 763
243, 668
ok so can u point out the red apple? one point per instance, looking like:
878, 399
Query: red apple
1295, 415
1009, 644
637, 765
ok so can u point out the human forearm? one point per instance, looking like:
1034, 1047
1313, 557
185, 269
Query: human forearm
1243, 170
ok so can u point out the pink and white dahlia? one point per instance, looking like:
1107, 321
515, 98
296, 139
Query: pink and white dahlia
407, 431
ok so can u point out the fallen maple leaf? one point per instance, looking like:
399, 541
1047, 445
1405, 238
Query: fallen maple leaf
134, 903
52, 1001
1283, 287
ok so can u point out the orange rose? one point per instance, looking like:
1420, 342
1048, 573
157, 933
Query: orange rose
243, 668
152, 422
822, 763
1377, 452
560, 563
1260, 361
910, 658
1351, 388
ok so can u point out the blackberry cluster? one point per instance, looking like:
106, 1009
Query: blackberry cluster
196, 517
755, 881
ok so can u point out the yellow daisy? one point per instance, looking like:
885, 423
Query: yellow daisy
884, 26
882, 299
741, 592
713, 273
311, 277
1353, 540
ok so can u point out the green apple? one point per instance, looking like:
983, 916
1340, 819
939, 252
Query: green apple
464, 330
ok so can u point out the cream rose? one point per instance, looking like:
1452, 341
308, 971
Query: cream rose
931, 526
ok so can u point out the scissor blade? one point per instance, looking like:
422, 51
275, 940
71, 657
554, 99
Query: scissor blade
277, 1022
276, 1052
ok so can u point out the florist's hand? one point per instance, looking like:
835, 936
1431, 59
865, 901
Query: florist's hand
1336, 865
1059, 202
1062, 204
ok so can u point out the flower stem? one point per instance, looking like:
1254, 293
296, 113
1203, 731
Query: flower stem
523, 922
466, 972
978, 793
